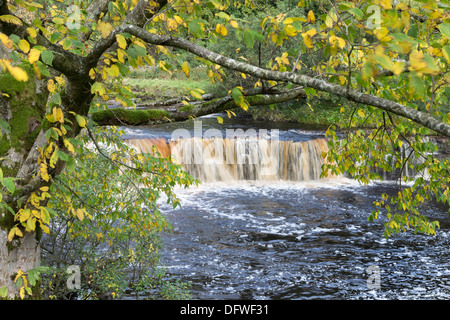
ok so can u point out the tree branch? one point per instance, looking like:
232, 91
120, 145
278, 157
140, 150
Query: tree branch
303, 80
95, 9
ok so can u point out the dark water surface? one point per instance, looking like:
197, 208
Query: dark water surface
300, 241
296, 240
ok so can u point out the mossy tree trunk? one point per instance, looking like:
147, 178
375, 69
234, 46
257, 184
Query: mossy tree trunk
23, 126
23, 108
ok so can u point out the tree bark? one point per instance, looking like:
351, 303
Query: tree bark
24, 110
23, 254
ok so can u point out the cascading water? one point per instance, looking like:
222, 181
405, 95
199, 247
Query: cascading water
217, 159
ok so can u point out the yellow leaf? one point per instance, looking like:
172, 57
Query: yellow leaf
402, 6
196, 94
416, 60
24, 45
18, 232
114, 70
290, 30
51, 85
32, 32
58, 114
44, 173
311, 32
172, 24
283, 59
311, 17
219, 119
185, 68
386, 4
58, 20
398, 67
92, 74
11, 234
121, 41
18, 73
80, 214
307, 40
337, 41
34, 55
45, 228
120, 55
382, 34
11, 19
6, 41
60, 80
81, 121
69, 146
361, 113
221, 29
234, 24
405, 19
178, 19
105, 29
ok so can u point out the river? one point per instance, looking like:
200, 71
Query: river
294, 236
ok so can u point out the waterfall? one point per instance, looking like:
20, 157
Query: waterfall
225, 159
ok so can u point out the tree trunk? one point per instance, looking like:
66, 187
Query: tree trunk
22, 106
22, 254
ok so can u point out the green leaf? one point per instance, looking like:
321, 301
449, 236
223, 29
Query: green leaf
71, 164
196, 28
310, 91
4, 125
446, 52
62, 155
236, 93
56, 100
445, 29
248, 38
357, 13
8, 183
3, 292
43, 69
47, 57
417, 85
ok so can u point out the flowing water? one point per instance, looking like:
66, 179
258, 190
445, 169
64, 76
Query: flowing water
267, 226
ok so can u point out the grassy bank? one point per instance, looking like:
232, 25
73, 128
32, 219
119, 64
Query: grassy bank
153, 85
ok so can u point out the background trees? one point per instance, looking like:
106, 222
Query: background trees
387, 62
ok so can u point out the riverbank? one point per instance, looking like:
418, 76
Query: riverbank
153, 87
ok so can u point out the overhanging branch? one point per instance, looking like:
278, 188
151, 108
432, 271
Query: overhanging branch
422, 118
